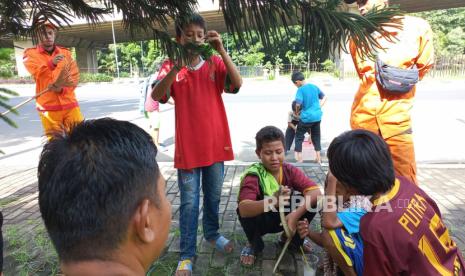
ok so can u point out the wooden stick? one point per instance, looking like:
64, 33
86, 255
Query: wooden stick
282, 217
25, 102
64, 79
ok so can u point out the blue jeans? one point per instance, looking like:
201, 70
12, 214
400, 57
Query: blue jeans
189, 186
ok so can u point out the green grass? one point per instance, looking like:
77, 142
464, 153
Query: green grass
32, 252
5, 201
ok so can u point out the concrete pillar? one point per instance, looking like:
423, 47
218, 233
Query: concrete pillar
20, 46
86, 59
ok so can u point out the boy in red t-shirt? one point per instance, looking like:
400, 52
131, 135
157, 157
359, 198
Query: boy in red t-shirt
404, 233
202, 137
259, 194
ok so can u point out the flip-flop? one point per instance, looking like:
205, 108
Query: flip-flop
247, 251
185, 265
221, 243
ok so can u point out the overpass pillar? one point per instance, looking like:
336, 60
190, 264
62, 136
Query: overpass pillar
20, 46
86, 59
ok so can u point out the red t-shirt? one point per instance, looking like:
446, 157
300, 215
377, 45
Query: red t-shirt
293, 178
201, 130
409, 240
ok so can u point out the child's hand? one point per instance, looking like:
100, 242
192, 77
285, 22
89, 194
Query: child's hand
303, 228
214, 38
292, 221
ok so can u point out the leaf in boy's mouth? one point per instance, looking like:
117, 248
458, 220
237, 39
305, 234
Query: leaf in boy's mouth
205, 49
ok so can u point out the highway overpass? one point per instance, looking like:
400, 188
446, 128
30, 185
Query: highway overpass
87, 38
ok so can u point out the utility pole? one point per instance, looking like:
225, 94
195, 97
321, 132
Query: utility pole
114, 43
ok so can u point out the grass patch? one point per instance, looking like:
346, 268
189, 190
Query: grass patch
32, 252
6, 201
165, 265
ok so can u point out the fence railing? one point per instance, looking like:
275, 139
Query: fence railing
445, 67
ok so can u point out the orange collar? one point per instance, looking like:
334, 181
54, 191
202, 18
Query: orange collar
42, 49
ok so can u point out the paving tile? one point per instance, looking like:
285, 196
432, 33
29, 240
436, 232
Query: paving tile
446, 186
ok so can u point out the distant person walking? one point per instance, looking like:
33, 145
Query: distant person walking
309, 100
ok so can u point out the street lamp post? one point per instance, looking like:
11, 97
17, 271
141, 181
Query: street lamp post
114, 43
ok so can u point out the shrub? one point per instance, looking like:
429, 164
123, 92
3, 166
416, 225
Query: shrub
98, 77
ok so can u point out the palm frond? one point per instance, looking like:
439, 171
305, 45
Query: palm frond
3, 100
324, 27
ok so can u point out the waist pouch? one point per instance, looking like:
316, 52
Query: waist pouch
395, 80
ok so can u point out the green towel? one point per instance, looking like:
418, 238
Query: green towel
266, 180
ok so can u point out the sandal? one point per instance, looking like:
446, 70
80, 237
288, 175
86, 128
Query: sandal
184, 265
222, 243
248, 251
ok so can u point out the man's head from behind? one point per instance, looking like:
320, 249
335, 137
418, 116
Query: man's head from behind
361, 160
298, 79
270, 147
365, 6
101, 193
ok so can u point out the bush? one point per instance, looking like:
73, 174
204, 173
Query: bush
330, 67
98, 77
7, 70
124, 75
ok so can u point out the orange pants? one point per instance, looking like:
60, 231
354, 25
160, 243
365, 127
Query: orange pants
403, 156
60, 121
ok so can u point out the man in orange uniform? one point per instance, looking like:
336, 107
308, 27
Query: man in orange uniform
58, 108
382, 112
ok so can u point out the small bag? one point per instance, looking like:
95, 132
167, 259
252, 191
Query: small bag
396, 80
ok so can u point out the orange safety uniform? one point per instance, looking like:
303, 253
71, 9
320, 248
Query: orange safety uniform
387, 114
58, 111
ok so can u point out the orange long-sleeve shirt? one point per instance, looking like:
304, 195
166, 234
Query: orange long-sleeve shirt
376, 110
39, 64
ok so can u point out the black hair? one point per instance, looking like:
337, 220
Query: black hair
268, 134
297, 76
195, 19
361, 160
294, 106
91, 181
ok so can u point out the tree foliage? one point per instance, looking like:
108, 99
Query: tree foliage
324, 27
7, 64
449, 30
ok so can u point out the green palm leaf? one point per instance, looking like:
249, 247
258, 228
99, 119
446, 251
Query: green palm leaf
324, 28
4, 93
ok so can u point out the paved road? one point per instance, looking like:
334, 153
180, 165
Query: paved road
438, 115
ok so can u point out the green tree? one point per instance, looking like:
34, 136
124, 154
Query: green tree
7, 62
455, 42
448, 27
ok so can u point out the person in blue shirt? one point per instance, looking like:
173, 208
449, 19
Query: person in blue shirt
309, 99
342, 211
